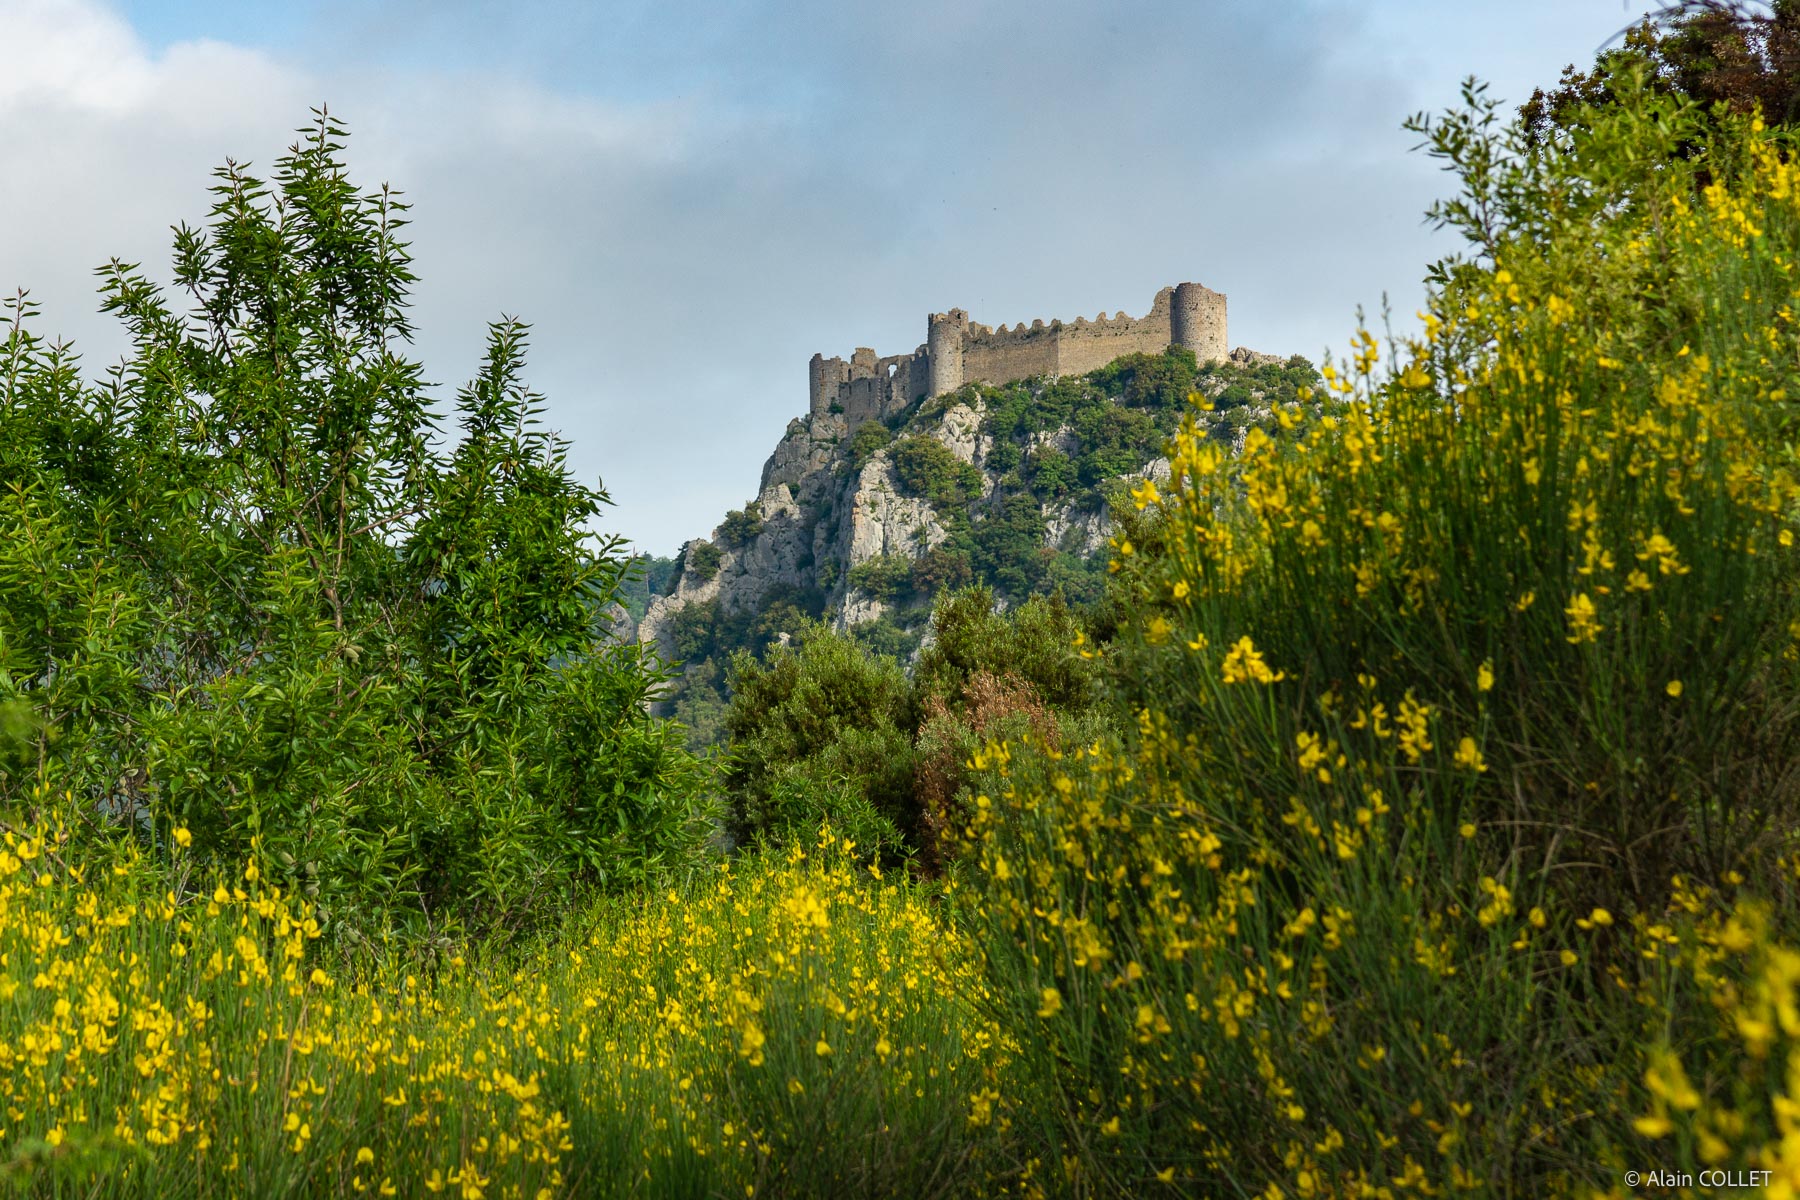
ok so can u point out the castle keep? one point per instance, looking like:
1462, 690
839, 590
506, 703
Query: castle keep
959, 351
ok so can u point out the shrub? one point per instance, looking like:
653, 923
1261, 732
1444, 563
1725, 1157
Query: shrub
1456, 720
800, 798
870, 437
1009, 545
885, 577
889, 636
1080, 581
813, 721
1739, 56
1038, 642
1003, 456
1155, 381
926, 467
1229, 386
701, 560
1053, 474
941, 569
832, 728
1114, 441
741, 525
989, 675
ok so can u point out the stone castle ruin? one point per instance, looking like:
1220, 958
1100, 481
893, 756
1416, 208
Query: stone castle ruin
959, 351
814, 515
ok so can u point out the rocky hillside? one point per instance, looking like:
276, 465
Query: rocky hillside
1007, 486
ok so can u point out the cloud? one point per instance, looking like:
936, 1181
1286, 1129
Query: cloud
107, 145
687, 198
109, 142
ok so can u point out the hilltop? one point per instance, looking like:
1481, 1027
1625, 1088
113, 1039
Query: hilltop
861, 518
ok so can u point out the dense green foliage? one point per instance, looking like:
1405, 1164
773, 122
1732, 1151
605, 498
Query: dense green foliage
884, 577
820, 731
1742, 57
1231, 388
701, 559
740, 526
706, 637
926, 467
869, 437
243, 595
831, 729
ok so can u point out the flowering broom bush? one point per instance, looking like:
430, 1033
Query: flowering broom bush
794, 1028
1451, 706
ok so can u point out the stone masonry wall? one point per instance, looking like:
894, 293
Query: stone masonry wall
959, 351
866, 387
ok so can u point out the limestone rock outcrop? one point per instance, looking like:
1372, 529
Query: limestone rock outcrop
883, 521
831, 502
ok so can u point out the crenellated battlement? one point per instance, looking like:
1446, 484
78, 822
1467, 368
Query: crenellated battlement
958, 351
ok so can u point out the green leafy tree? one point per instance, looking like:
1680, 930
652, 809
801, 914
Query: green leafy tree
1053, 474
1743, 57
870, 437
1150, 380
1036, 643
242, 594
885, 577
701, 560
926, 467
820, 731
940, 570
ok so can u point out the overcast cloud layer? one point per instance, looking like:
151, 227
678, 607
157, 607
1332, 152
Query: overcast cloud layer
688, 199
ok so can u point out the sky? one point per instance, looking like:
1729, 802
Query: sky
687, 199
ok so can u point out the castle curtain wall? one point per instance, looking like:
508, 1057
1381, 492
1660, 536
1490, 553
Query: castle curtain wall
959, 351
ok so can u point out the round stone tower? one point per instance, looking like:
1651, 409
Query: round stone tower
815, 383
944, 345
1197, 321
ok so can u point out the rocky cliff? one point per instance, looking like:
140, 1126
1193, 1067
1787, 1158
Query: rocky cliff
1007, 486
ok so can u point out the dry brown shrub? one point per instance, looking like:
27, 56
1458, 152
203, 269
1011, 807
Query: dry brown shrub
950, 730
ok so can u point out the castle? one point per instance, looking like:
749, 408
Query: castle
959, 351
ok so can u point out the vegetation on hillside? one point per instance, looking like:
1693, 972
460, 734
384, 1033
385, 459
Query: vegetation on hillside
1052, 445
650, 576
827, 731
1067, 446
1416, 814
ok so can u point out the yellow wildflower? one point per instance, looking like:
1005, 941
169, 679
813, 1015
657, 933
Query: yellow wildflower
1244, 664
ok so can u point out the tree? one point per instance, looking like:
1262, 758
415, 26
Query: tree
1743, 56
242, 593
741, 525
820, 732
926, 467
701, 559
